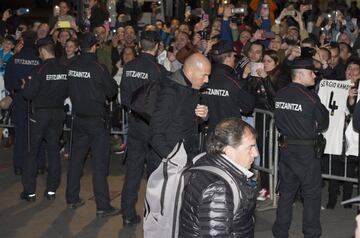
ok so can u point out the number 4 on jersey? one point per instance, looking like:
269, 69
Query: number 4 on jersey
332, 104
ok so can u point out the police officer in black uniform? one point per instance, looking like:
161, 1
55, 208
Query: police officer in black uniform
223, 87
299, 116
47, 89
90, 84
137, 73
19, 68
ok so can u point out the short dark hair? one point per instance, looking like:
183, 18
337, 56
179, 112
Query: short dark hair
10, 38
75, 41
159, 20
229, 131
354, 60
257, 42
48, 48
64, 1
334, 45
122, 53
220, 58
309, 41
349, 48
147, 45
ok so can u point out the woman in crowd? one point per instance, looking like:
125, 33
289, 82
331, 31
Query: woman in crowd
62, 38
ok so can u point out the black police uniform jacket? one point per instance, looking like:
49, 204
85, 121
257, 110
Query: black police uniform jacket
207, 207
224, 95
90, 84
48, 86
137, 73
20, 66
299, 113
174, 116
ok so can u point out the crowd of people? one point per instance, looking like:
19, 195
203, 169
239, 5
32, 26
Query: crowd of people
286, 57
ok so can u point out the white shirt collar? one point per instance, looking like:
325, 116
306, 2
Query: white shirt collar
245, 171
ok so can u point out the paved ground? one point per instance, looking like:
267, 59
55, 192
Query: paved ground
45, 219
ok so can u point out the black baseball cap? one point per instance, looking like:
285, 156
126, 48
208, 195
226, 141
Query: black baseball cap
44, 41
302, 63
153, 36
222, 47
87, 40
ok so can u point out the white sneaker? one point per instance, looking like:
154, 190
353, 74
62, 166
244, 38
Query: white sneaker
263, 195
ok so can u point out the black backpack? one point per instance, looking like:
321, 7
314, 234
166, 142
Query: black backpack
143, 100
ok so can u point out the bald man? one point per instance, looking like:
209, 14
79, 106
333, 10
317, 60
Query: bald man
179, 110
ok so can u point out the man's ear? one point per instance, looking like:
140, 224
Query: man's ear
227, 150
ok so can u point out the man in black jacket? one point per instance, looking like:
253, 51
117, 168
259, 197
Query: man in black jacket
178, 110
299, 116
47, 89
208, 202
90, 84
136, 74
224, 89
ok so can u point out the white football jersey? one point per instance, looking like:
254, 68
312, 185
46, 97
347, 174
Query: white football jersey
333, 94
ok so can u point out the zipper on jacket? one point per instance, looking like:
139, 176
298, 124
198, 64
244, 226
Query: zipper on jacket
163, 188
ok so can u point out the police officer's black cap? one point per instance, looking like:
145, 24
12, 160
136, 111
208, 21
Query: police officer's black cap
302, 63
153, 36
29, 38
44, 41
222, 47
87, 40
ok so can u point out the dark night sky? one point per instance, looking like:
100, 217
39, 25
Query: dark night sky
39, 9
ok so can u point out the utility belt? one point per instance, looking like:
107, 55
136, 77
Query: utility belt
284, 141
17, 90
86, 116
33, 109
105, 119
49, 108
318, 144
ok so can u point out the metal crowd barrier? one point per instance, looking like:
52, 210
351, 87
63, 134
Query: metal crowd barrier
270, 156
344, 159
343, 178
269, 152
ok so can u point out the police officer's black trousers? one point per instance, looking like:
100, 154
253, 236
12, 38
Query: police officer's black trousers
89, 134
137, 154
19, 118
299, 168
45, 125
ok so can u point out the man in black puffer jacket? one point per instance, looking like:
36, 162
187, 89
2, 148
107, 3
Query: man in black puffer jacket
207, 207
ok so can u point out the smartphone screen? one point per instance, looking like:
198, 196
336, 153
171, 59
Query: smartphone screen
205, 19
354, 21
254, 67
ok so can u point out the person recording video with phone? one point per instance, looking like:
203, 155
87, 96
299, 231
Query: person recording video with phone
254, 55
61, 17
